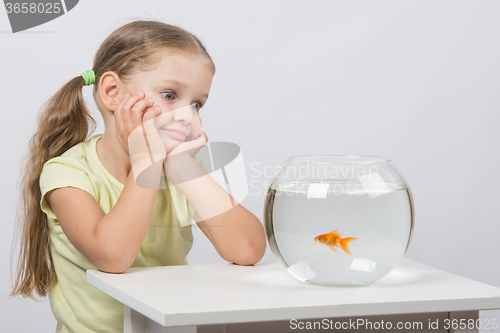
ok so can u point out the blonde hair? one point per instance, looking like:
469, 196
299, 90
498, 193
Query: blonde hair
64, 122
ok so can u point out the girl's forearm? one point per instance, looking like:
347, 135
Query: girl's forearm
236, 233
122, 231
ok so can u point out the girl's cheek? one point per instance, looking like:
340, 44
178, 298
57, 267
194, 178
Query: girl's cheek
195, 129
164, 119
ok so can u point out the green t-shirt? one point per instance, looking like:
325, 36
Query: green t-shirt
77, 305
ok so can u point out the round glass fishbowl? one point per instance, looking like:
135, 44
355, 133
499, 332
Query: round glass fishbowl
339, 220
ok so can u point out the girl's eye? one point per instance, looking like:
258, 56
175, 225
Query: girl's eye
169, 95
196, 106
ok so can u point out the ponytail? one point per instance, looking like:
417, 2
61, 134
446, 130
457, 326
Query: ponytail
63, 123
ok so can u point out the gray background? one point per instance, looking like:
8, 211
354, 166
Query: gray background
416, 81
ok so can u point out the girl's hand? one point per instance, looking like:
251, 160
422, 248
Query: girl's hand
192, 147
135, 128
189, 147
179, 164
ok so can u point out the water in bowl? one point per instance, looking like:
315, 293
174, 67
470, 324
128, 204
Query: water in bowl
379, 216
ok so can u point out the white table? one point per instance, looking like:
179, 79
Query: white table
265, 298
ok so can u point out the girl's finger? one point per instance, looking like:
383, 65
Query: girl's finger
132, 99
148, 119
127, 105
202, 139
118, 112
163, 119
137, 111
151, 113
148, 115
156, 145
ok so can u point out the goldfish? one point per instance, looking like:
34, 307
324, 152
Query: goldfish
333, 240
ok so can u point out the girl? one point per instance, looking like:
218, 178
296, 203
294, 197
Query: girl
150, 77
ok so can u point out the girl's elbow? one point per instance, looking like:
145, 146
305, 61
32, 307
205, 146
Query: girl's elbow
249, 260
115, 263
112, 269
251, 254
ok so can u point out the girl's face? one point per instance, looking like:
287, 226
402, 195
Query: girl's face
179, 85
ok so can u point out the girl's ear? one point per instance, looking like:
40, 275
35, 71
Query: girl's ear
110, 90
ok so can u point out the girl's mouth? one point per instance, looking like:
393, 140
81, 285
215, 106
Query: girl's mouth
175, 134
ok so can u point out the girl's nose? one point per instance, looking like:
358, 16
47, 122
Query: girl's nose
184, 114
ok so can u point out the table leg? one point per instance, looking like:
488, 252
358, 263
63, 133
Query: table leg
153, 327
133, 321
461, 318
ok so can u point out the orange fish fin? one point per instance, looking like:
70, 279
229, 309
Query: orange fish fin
333, 249
343, 243
336, 233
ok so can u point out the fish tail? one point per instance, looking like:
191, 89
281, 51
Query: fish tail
343, 243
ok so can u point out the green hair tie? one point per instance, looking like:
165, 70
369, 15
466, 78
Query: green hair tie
89, 77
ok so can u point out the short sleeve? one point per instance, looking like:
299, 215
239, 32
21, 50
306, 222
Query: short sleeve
56, 175
191, 208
